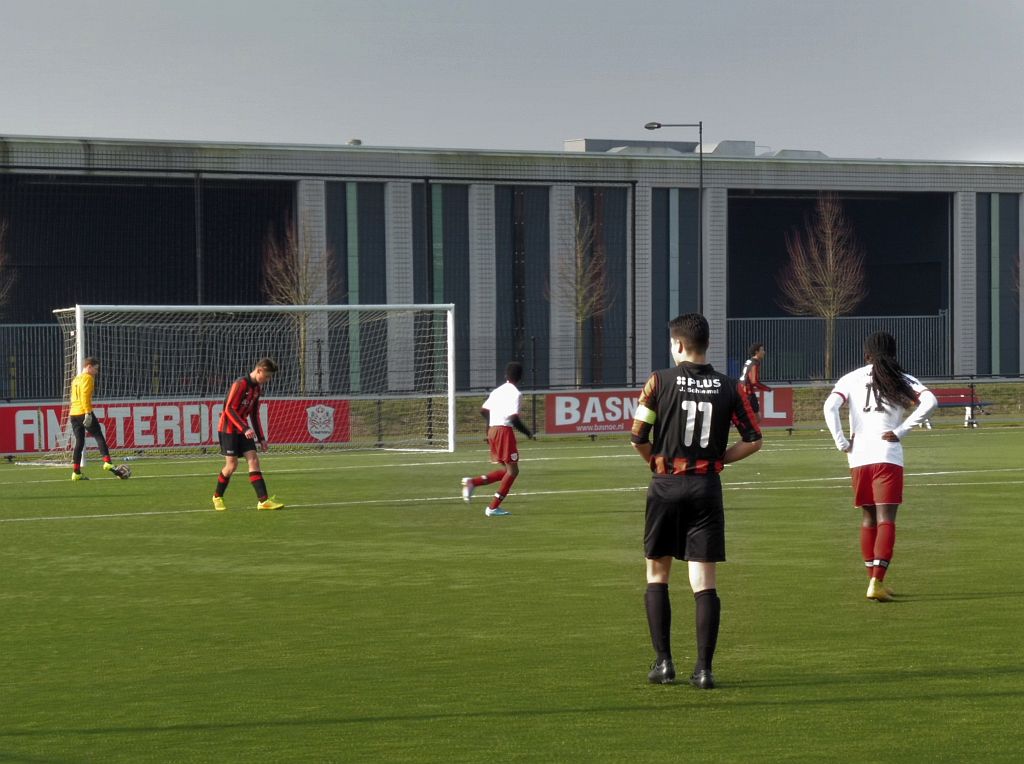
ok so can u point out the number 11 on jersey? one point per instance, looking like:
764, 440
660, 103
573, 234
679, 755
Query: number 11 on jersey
691, 408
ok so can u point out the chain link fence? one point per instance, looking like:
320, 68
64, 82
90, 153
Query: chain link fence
795, 347
33, 364
33, 370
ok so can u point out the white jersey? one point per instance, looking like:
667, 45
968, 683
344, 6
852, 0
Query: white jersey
869, 419
503, 404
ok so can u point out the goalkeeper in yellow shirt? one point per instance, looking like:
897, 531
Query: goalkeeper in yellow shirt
83, 420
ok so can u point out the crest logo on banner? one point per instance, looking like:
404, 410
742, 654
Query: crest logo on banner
320, 421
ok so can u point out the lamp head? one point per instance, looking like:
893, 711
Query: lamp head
652, 126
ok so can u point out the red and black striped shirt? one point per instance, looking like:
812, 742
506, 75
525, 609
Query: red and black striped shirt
751, 376
690, 409
241, 407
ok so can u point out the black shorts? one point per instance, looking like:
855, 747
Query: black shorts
235, 444
685, 518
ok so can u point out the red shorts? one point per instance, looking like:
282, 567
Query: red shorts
502, 440
877, 484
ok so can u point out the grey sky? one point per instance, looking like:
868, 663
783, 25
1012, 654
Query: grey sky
914, 79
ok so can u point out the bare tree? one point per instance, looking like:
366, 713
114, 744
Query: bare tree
295, 272
581, 284
825, 275
7, 276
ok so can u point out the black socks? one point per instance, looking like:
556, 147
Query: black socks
659, 619
709, 615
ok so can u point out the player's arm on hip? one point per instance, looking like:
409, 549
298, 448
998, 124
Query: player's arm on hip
833, 403
644, 449
741, 449
643, 422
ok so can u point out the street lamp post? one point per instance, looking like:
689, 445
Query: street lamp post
700, 197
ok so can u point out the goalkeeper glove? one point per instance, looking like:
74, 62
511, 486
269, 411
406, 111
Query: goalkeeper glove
89, 419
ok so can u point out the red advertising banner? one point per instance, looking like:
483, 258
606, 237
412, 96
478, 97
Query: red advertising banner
34, 428
589, 413
776, 407
592, 413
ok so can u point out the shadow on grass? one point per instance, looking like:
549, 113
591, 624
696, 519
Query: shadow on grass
902, 596
30, 759
870, 682
873, 679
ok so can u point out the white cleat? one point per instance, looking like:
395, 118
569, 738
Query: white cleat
878, 592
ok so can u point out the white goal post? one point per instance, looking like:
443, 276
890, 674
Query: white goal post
349, 376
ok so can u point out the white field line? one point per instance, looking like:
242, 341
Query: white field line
480, 463
751, 485
477, 462
772, 445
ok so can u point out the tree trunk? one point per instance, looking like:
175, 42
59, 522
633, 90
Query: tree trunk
579, 353
830, 331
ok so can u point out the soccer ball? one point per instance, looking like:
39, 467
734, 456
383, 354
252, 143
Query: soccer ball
124, 471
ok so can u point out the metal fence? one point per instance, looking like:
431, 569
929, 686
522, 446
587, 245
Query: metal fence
32, 357
796, 346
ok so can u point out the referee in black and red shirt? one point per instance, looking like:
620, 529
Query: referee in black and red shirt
689, 410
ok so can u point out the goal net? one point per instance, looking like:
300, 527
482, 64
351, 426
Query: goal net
349, 376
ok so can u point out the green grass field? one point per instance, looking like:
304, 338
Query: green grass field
379, 618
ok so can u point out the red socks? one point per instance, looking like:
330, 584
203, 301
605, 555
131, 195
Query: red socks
876, 546
506, 478
503, 489
867, 546
884, 543
490, 477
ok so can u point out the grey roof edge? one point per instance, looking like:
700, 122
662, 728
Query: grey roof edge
577, 156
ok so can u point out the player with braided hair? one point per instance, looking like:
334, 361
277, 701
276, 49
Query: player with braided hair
879, 396
889, 378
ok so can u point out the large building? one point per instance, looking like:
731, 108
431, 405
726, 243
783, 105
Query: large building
512, 239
